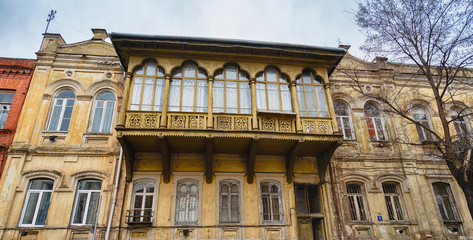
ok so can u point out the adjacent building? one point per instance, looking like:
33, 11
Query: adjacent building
15, 76
161, 137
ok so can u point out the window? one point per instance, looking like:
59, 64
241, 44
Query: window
189, 89
187, 202
445, 202
5, 103
307, 198
86, 203
37, 200
344, 120
375, 122
310, 95
392, 197
148, 88
229, 202
357, 205
143, 203
103, 113
422, 118
459, 121
271, 202
61, 113
231, 91
272, 91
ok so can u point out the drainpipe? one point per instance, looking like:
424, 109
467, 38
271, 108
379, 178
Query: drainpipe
115, 190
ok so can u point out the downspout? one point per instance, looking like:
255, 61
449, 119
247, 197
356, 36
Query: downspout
335, 201
115, 191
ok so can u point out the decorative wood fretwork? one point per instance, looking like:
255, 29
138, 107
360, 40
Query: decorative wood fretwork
142, 120
235, 123
277, 124
317, 126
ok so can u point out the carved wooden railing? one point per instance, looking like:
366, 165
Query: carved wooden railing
229, 122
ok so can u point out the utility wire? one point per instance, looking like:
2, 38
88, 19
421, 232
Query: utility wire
72, 28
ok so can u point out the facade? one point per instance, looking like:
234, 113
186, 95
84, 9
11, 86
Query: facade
15, 76
159, 137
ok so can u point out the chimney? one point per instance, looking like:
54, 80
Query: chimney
99, 34
51, 41
381, 63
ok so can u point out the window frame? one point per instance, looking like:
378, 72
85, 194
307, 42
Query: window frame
453, 203
460, 121
186, 221
281, 214
5, 112
229, 182
102, 119
178, 74
356, 203
282, 80
142, 209
63, 109
143, 75
375, 125
314, 85
307, 200
424, 134
239, 80
86, 210
36, 208
341, 123
396, 210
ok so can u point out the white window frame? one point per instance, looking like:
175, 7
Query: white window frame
86, 210
424, 134
397, 210
375, 125
356, 203
40, 197
144, 195
229, 194
63, 109
102, 118
4, 112
341, 124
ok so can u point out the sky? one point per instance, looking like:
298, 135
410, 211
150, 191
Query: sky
310, 22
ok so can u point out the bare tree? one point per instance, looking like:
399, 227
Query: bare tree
436, 36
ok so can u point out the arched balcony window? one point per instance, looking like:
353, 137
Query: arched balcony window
272, 91
310, 95
148, 87
189, 89
231, 91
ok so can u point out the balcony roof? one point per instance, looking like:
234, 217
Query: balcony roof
127, 44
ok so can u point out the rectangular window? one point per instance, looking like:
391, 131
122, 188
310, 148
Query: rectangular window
36, 205
307, 198
5, 103
271, 201
393, 201
187, 202
356, 202
445, 202
87, 202
229, 202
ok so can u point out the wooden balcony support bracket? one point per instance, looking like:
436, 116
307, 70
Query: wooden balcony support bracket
209, 153
129, 154
166, 158
250, 160
323, 159
291, 161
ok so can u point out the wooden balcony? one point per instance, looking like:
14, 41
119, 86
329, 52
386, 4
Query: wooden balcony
139, 216
271, 134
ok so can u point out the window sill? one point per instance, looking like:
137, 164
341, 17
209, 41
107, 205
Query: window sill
282, 114
95, 139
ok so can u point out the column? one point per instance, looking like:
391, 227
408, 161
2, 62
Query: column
330, 107
210, 103
164, 111
295, 105
253, 103
126, 99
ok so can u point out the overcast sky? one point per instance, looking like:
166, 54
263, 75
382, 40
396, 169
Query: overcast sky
311, 22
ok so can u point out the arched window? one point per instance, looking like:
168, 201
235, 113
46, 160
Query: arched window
229, 201
393, 200
272, 91
356, 201
342, 112
87, 202
375, 122
142, 211
231, 91
445, 202
189, 89
37, 200
187, 202
422, 118
310, 95
460, 121
102, 117
61, 112
271, 202
148, 87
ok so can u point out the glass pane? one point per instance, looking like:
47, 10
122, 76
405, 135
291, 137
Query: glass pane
6, 97
313, 194
136, 96
194, 189
224, 188
151, 68
189, 70
266, 211
245, 98
30, 208
234, 188
322, 105
158, 94
260, 97
53, 122
43, 209
138, 202
231, 72
389, 205
232, 99
149, 202
202, 96
97, 118
301, 202
80, 208
286, 99
93, 205
273, 96
174, 95
271, 75
397, 203
235, 211
218, 99
310, 98
108, 118
301, 100
150, 188
42, 184
275, 208
66, 94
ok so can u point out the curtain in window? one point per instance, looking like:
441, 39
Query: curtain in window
148, 87
272, 91
310, 95
189, 91
61, 114
231, 91
187, 203
375, 122
342, 114
229, 202
271, 199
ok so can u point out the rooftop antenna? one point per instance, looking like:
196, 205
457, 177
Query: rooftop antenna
50, 17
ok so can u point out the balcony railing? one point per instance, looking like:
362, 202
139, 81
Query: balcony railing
139, 216
285, 123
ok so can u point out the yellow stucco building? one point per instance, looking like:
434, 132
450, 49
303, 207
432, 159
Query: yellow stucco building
160, 137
